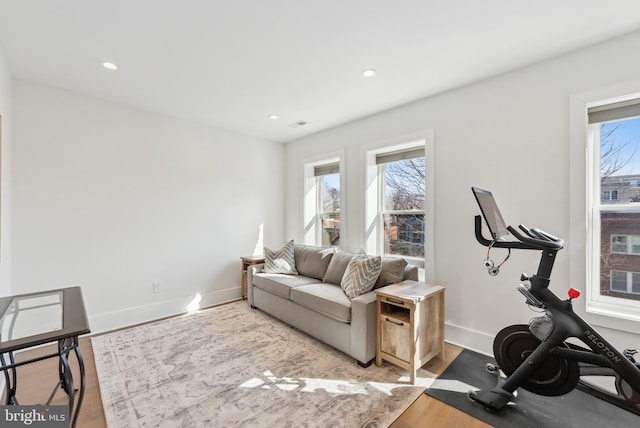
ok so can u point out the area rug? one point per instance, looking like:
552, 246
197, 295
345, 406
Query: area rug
236, 366
576, 409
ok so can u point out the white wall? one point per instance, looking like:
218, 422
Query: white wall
113, 199
5, 175
509, 134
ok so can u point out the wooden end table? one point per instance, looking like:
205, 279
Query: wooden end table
410, 319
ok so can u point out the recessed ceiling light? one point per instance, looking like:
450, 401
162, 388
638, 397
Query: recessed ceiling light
369, 72
273, 116
110, 65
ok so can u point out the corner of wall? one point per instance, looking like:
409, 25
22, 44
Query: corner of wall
6, 102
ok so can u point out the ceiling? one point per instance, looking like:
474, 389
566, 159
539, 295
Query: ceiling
232, 64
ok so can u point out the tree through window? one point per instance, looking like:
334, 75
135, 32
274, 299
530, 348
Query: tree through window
403, 202
328, 185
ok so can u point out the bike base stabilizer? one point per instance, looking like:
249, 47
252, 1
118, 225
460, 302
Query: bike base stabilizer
493, 399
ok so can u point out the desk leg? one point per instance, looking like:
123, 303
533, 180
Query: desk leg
65, 346
66, 380
11, 380
81, 390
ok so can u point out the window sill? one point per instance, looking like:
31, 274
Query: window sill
613, 315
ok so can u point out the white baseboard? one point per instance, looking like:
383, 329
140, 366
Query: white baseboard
145, 313
469, 339
454, 334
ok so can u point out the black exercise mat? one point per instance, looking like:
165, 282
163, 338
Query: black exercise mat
576, 409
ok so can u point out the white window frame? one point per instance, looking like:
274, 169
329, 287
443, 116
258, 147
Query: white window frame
373, 244
616, 313
312, 200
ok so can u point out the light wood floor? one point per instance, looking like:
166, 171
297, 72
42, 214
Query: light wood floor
37, 380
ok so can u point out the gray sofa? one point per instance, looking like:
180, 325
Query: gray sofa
314, 302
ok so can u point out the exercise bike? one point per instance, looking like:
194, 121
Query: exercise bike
538, 357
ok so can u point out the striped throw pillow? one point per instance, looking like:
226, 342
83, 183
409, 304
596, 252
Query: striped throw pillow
280, 261
361, 274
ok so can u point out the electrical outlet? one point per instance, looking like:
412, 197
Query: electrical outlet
157, 287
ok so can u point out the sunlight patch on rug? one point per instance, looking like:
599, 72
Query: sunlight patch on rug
235, 366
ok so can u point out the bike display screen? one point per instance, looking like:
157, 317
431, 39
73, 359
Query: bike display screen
490, 212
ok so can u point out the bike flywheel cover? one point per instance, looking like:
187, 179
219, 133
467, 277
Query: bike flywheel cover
554, 376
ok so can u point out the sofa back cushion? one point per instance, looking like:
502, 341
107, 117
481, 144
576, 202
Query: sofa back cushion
312, 261
337, 267
392, 271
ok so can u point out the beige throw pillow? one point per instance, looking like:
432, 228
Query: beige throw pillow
280, 261
361, 274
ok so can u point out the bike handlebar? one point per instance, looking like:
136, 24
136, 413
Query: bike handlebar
530, 239
538, 238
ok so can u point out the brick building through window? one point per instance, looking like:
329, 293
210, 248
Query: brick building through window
620, 254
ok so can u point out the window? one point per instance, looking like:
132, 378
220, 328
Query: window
623, 244
402, 202
618, 280
398, 200
328, 185
618, 244
322, 203
610, 195
614, 134
625, 282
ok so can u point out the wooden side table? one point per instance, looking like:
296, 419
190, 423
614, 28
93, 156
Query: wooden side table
410, 318
246, 262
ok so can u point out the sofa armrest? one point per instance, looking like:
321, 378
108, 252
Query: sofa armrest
252, 270
363, 327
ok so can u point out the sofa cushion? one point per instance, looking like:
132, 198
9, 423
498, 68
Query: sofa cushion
361, 274
280, 284
336, 268
326, 299
280, 261
392, 271
312, 261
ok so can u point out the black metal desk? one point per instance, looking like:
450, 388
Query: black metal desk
33, 319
